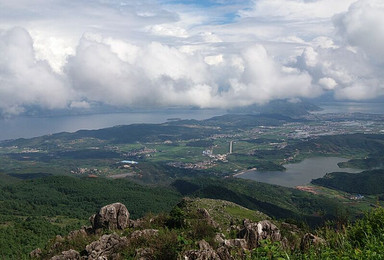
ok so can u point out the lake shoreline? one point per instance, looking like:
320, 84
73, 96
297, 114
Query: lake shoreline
297, 174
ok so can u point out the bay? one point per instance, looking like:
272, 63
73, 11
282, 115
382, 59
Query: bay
27, 127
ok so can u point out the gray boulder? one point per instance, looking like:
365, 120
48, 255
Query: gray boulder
107, 247
224, 253
309, 240
36, 253
236, 243
144, 254
253, 233
205, 252
113, 216
267, 230
67, 255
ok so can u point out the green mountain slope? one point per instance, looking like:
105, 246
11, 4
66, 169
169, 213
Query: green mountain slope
366, 182
273, 200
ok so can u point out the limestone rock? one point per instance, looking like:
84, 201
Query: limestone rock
309, 240
239, 243
144, 254
67, 255
36, 253
206, 252
139, 223
224, 253
267, 230
106, 247
80, 233
204, 245
254, 232
146, 233
219, 238
113, 216
205, 215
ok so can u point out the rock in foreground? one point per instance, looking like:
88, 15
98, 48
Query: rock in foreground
113, 216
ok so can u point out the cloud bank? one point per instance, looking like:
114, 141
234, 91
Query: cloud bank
220, 54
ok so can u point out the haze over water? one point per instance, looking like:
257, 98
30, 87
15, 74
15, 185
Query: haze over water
27, 127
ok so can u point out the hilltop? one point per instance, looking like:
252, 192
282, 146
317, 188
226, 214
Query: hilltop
212, 229
194, 229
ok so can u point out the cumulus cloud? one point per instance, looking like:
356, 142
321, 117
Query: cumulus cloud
262, 79
163, 75
363, 26
350, 74
24, 80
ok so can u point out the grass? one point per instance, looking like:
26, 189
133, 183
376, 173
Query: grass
223, 212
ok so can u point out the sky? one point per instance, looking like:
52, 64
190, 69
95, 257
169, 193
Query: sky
74, 54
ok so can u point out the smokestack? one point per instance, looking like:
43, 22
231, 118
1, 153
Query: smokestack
230, 147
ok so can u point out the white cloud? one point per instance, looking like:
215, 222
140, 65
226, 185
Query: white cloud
363, 26
214, 60
327, 83
297, 9
167, 30
147, 53
24, 80
349, 74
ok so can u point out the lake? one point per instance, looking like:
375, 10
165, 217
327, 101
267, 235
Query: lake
27, 127
299, 173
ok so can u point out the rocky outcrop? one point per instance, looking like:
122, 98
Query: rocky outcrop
83, 232
67, 255
144, 254
236, 243
138, 223
309, 240
144, 234
267, 230
224, 253
219, 238
204, 214
205, 252
113, 216
254, 232
36, 253
142, 243
107, 247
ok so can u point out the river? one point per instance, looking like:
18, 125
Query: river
299, 173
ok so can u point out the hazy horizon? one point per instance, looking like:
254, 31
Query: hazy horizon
28, 126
